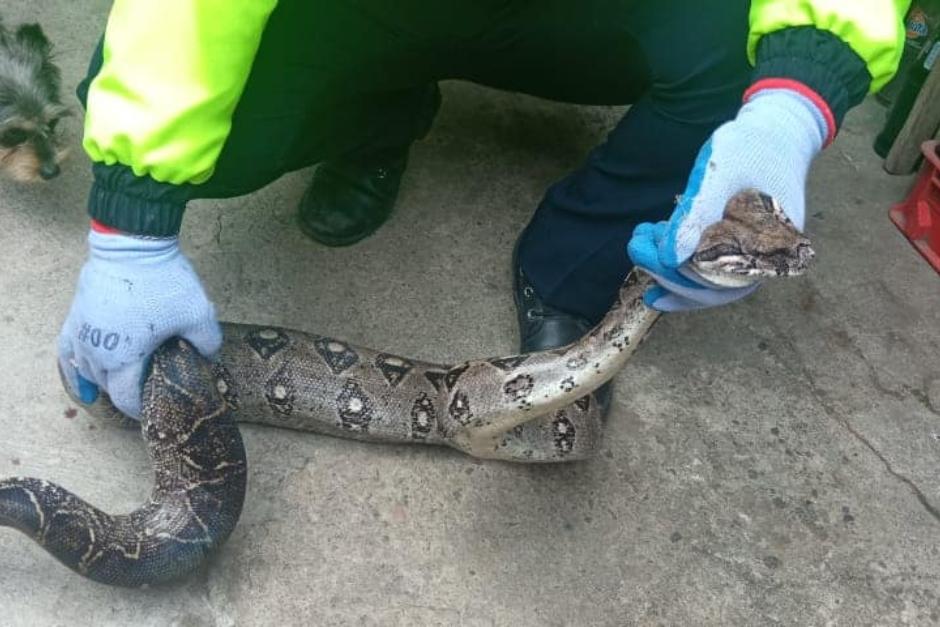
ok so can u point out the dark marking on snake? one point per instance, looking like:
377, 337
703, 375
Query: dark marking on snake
563, 432
393, 368
225, 384
354, 407
510, 363
436, 377
519, 388
614, 332
267, 342
460, 408
450, 379
423, 417
617, 336
280, 393
337, 355
583, 403
568, 384
576, 363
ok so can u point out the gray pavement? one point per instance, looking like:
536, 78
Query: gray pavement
773, 462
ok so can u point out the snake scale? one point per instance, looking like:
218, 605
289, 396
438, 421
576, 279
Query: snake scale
534, 407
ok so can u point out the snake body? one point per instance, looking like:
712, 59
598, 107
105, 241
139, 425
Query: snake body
530, 408
199, 487
534, 407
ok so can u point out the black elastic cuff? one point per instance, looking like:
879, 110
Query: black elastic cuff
138, 205
819, 60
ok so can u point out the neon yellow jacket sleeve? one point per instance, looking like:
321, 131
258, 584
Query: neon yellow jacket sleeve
172, 74
874, 29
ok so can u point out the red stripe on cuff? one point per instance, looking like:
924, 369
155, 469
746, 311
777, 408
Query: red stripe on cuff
98, 227
803, 90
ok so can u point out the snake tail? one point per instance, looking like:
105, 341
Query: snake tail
199, 487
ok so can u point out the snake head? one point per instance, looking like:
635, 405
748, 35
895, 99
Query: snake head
754, 240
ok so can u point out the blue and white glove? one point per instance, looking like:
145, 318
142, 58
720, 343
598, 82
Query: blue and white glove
133, 294
769, 146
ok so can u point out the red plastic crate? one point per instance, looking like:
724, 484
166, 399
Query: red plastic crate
918, 217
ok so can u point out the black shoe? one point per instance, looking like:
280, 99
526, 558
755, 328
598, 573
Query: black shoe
349, 200
542, 327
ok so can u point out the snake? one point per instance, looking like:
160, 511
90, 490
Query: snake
535, 407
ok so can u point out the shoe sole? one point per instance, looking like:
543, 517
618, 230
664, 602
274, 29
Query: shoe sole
337, 242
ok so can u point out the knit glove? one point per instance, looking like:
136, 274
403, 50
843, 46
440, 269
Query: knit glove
133, 294
769, 146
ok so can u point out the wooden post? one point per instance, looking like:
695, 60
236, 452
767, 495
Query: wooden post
921, 125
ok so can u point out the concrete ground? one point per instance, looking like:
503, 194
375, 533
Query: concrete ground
772, 462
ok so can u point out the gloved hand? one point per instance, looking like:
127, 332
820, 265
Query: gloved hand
769, 146
133, 294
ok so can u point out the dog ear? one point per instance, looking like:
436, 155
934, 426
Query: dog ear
32, 36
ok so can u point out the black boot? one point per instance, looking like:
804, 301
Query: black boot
349, 200
542, 327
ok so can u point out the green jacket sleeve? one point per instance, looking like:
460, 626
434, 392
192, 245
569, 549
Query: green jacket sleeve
171, 76
873, 29
833, 51
160, 107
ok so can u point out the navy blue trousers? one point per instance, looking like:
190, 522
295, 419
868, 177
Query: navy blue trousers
339, 79
574, 249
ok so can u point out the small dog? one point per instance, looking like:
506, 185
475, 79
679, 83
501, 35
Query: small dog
30, 105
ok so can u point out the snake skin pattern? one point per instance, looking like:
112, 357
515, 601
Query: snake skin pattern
525, 408
199, 487
536, 407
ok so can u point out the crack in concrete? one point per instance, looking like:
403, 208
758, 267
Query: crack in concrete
841, 420
831, 412
918, 493
218, 228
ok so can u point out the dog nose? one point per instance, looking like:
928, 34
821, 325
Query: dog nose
49, 171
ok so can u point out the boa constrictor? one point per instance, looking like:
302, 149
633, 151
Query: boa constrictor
529, 408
